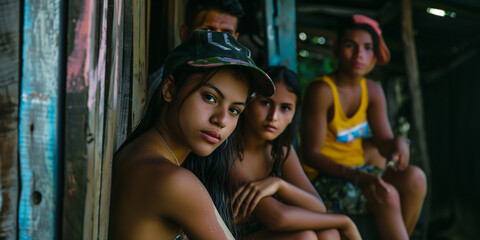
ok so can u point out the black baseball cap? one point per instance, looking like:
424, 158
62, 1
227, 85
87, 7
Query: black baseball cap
213, 49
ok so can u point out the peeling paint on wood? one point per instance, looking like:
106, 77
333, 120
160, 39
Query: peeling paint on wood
38, 116
77, 132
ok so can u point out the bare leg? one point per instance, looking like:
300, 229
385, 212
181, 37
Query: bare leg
410, 184
412, 187
267, 234
331, 234
388, 216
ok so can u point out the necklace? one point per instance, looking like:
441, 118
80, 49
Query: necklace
169, 149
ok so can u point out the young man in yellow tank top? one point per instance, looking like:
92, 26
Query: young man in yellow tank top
339, 110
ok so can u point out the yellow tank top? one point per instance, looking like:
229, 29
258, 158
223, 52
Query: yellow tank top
343, 142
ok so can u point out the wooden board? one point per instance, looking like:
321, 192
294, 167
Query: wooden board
9, 88
81, 22
38, 120
140, 67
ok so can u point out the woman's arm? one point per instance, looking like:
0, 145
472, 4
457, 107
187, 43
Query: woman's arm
293, 188
278, 216
392, 148
248, 195
294, 174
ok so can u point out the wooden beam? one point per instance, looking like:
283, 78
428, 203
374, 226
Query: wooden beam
280, 24
113, 79
38, 120
413, 78
9, 89
81, 45
125, 78
140, 68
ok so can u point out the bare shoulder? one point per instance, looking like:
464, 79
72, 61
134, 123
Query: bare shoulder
317, 86
172, 182
318, 92
375, 91
158, 184
292, 154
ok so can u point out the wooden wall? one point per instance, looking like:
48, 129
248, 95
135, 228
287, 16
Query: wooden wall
105, 95
10, 34
66, 109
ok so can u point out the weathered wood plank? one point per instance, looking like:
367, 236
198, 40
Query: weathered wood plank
96, 121
9, 88
140, 69
80, 52
125, 79
413, 78
38, 119
113, 77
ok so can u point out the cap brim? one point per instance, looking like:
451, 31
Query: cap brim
263, 83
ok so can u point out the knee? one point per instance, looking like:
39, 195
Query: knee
391, 198
306, 235
416, 180
328, 234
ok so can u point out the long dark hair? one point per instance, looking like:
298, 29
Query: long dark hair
286, 138
212, 170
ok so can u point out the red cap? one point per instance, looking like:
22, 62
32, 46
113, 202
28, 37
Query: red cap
383, 54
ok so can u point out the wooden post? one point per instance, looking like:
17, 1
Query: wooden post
9, 88
413, 78
80, 45
38, 120
114, 78
96, 117
125, 78
140, 68
281, 33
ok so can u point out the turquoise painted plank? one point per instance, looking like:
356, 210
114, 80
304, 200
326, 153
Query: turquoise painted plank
38, 119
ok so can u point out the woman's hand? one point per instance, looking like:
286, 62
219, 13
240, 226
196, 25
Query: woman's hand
248, 195
401, 154
350, 231
373, 187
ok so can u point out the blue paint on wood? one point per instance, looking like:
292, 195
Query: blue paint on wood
38, 120
281, 33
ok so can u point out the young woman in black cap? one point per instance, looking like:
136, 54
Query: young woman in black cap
340, 109
209, 80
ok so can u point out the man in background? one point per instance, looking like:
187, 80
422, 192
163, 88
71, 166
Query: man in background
213, 15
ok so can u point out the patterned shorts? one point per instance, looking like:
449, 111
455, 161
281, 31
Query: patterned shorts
341, 196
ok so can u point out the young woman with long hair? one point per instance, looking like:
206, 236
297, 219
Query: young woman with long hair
209, 80
272, 186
